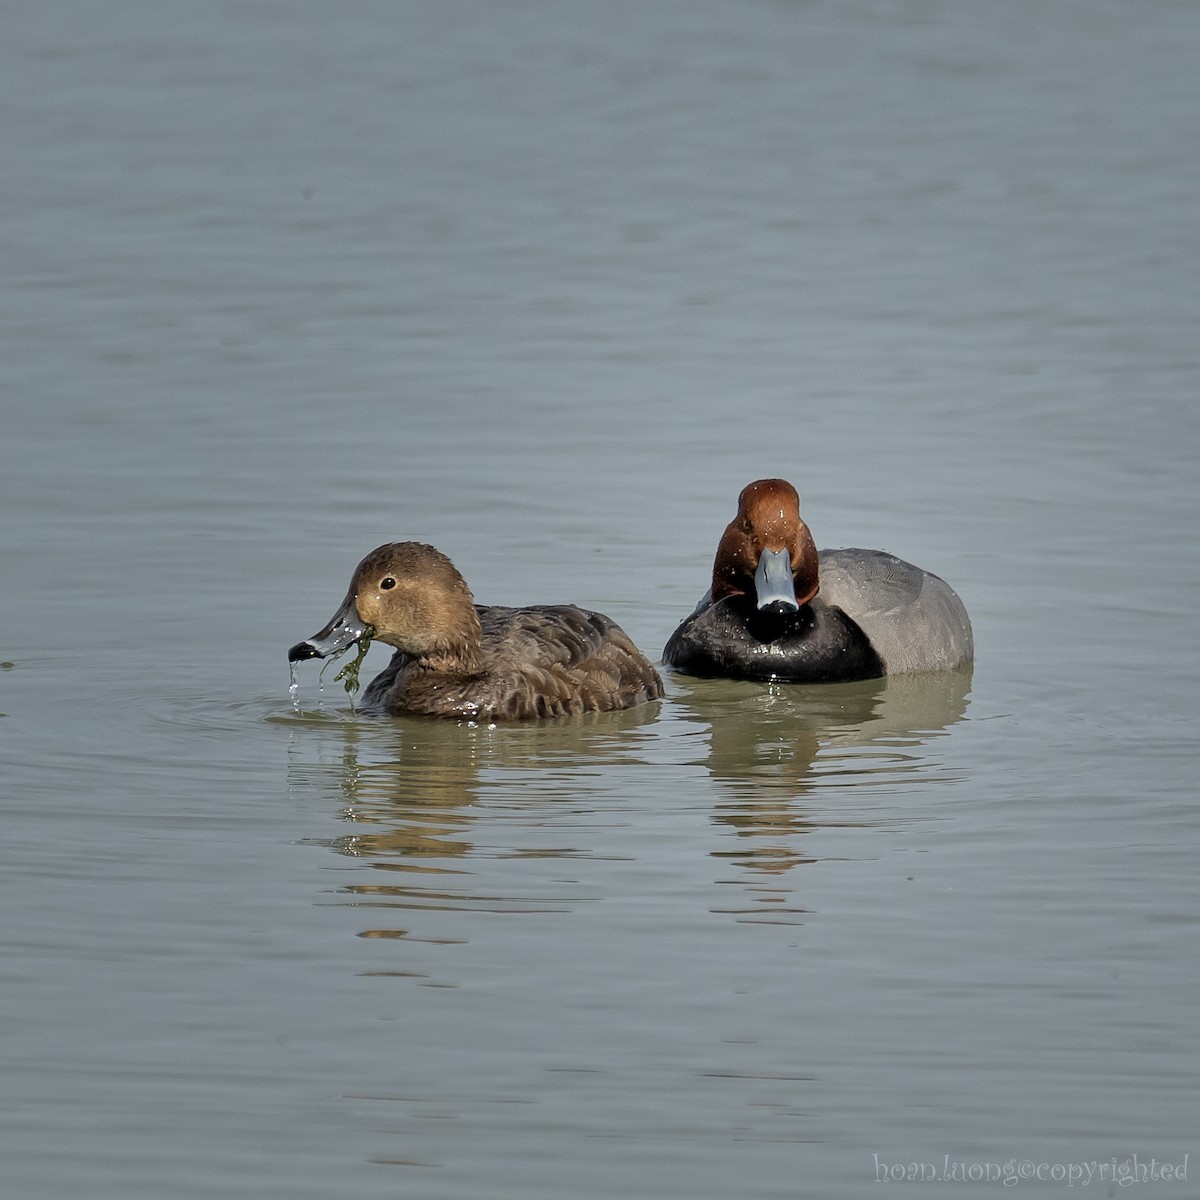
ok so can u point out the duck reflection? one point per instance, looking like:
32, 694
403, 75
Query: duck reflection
414, 790
771, 745
433, 807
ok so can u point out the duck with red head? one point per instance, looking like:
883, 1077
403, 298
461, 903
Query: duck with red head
479, 662
780, 610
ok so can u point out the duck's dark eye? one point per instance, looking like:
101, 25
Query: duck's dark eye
389, 582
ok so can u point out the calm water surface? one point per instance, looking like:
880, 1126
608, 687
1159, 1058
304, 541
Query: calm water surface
545, 284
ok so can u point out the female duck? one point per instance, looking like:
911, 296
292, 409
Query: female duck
779, 610
458, 659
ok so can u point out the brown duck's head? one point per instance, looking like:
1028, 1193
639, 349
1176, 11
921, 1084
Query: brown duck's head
767, 551
410, 596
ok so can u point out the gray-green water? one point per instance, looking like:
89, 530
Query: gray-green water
545, 284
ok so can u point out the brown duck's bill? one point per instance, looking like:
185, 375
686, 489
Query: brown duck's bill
346, 628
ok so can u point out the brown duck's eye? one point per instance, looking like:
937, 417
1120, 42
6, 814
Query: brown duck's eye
387, 582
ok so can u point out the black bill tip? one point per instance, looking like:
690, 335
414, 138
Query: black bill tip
301, 651
779, 608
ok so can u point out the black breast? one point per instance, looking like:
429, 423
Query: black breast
733, 640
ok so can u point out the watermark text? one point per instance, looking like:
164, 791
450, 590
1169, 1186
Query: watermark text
1124, 1172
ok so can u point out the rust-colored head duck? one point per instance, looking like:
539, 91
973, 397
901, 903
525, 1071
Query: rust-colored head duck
779, 610
767, 549
478, 662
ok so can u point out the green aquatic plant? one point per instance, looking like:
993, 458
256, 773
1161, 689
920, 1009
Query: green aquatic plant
349, 673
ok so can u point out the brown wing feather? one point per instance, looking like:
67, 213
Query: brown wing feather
543, 661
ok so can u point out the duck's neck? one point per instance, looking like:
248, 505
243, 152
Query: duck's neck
457, 647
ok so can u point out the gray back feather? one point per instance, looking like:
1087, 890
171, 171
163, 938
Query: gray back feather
914, 620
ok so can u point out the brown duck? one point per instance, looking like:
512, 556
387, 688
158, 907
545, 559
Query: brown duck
455, 658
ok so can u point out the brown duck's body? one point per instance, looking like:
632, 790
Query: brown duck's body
540, 661
478, 662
